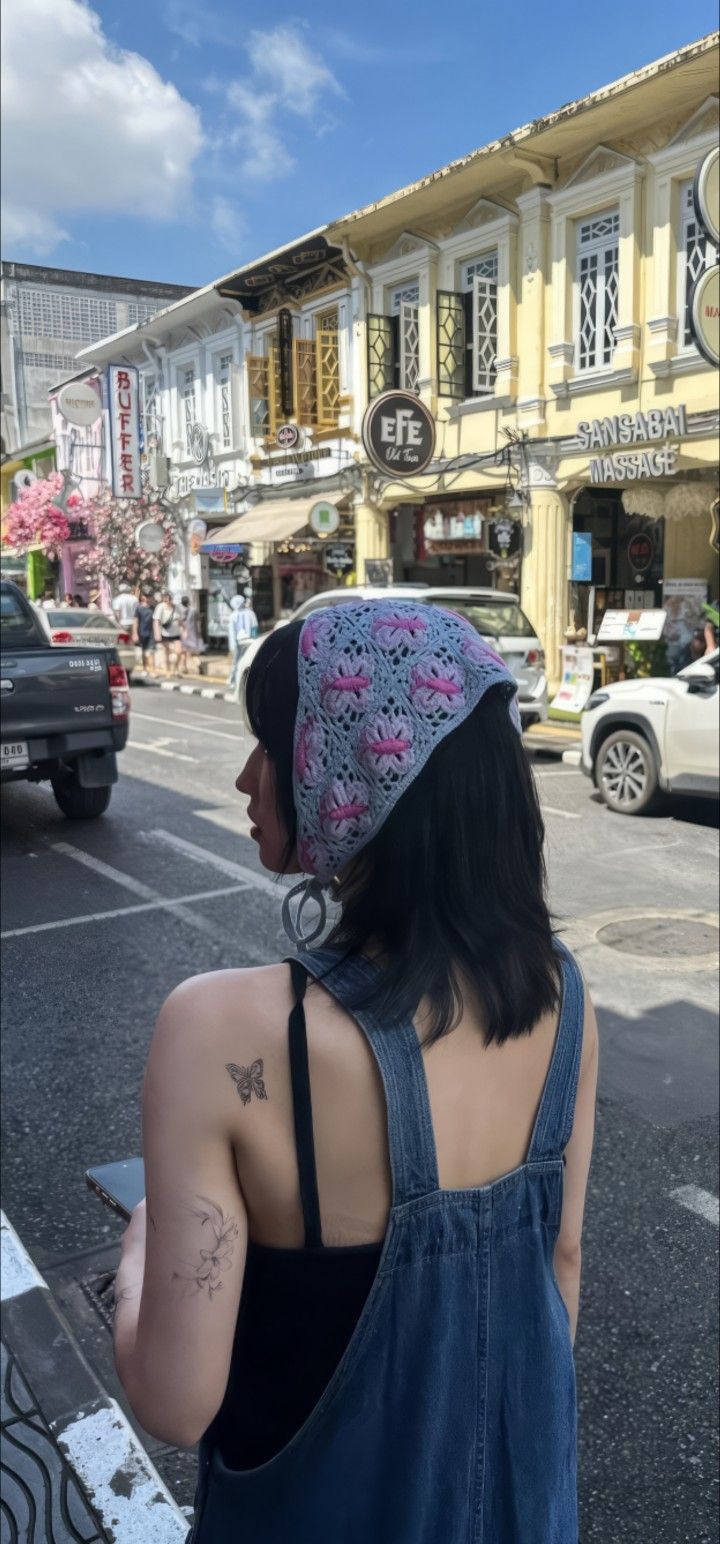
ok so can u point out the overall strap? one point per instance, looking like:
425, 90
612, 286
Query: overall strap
302, 1110
554, 1122
396, 1049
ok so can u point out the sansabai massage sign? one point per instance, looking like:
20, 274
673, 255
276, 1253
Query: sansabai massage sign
658, 424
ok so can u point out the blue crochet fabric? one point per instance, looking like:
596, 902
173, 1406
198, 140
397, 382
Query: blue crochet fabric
381, 683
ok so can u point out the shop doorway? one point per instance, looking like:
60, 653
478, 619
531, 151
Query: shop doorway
621, 560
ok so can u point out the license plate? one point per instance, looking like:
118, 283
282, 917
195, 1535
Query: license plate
14, 754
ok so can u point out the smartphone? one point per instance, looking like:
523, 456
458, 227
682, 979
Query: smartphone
120, 1185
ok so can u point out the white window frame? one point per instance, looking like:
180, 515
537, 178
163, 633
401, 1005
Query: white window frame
483, 285
224, 369
687, 219
672, 167
186, 396
490, 227
598, 246
404, 303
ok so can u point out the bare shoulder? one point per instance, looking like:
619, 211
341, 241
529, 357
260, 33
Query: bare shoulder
223, 1019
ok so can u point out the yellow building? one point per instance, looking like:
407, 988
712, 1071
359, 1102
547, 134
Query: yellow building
536, 292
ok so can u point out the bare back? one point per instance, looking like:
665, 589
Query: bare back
484, 1101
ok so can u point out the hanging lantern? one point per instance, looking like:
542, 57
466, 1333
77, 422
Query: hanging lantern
689, 499
649, 502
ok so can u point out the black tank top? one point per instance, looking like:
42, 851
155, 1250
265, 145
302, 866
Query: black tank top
298, 1307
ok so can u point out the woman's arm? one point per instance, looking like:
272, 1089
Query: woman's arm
178, 1286
568, 1251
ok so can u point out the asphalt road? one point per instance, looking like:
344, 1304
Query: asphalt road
101, 921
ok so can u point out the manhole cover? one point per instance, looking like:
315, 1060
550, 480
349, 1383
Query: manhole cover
661, 937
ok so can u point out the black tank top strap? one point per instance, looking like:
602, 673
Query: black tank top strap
302, 1109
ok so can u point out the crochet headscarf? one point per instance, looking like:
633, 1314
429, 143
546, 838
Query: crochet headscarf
380, 684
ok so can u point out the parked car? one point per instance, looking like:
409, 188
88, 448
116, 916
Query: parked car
658, 733
64, 711
496, 614
74, 627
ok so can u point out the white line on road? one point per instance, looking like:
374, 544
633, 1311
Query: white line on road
549, 809
159, 750
207, 718
702, 1202
200, 854
174, 723
556, 772
127, 911
135, 886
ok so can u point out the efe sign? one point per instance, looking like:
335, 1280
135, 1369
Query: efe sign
398, 433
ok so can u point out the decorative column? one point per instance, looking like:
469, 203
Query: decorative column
534, 256
372, 536
545, 565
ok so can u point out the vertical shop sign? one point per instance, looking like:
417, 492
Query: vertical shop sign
122, 386
582, 556
285, 335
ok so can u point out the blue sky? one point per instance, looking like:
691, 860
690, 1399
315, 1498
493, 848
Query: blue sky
177, 139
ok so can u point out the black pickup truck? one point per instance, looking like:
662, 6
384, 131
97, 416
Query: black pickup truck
64, 714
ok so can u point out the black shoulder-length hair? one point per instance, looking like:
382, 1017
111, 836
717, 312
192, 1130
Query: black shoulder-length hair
450, 895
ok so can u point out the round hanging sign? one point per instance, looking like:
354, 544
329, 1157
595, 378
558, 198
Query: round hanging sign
287, 436
706, 194
324, 518
149, 536
79, 403
398, 433
705, 314
640, 552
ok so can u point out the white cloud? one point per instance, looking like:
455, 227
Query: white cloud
286, 78
227, 224
87, 126
28, 227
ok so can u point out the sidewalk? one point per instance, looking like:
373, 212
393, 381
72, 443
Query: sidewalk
72, 1467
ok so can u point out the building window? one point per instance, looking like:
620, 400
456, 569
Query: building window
264, 389
150, 418
189, 409
48, 313
480, 282
224, 400
405, 306
695, 252
327, 364
596, 290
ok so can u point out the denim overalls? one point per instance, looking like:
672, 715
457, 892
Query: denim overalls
451, 1418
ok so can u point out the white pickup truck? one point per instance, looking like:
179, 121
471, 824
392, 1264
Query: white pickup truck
658, 733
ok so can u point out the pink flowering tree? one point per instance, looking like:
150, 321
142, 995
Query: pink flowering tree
34, 520
114, 554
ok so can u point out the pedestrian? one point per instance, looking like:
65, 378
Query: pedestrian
695, 649
48, 601
124, 605
166, 627
68, 598
143, 634
78, 602
191, 641
94, 601
366, 1168
242, 627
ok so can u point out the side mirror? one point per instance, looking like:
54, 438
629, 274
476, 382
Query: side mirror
700, 685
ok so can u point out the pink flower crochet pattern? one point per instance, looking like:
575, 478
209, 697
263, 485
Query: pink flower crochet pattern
346, 683
345, 808
312, 635
393, 629
309, 752
436, 685
386, 744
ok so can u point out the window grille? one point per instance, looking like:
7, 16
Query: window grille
695, 253
189, 410
305, 371
224, 399
480, 280
382, 354
451, 344
48, 313
327, 356
405, 306
596, 291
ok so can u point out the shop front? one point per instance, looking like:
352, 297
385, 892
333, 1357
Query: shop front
466, 541
289, 548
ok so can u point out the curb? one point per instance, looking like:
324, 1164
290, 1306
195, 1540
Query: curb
74, 1416
217, 693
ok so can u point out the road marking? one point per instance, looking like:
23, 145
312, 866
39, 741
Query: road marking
135, 886
127, 911
206, 718
159, 750
702, 1202
549, 809
556, 772
199, 854
173, 723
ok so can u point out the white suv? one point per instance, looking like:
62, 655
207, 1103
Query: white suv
656, 733
495, 613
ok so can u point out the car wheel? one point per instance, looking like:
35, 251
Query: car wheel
79, 803
625, 772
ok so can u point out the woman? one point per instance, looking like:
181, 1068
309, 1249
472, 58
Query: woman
366, 1171
143, 632
166, 629
191, 643
243, 627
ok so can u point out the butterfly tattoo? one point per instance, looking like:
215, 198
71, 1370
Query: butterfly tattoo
248, 1080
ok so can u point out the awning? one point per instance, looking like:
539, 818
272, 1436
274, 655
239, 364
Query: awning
273, 521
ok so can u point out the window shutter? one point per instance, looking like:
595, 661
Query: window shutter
382, 354
452, 335
469, 373
305, 380
327, 345
258, 368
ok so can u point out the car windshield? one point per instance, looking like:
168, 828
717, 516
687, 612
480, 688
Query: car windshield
492, 618
14, 619
66, 618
